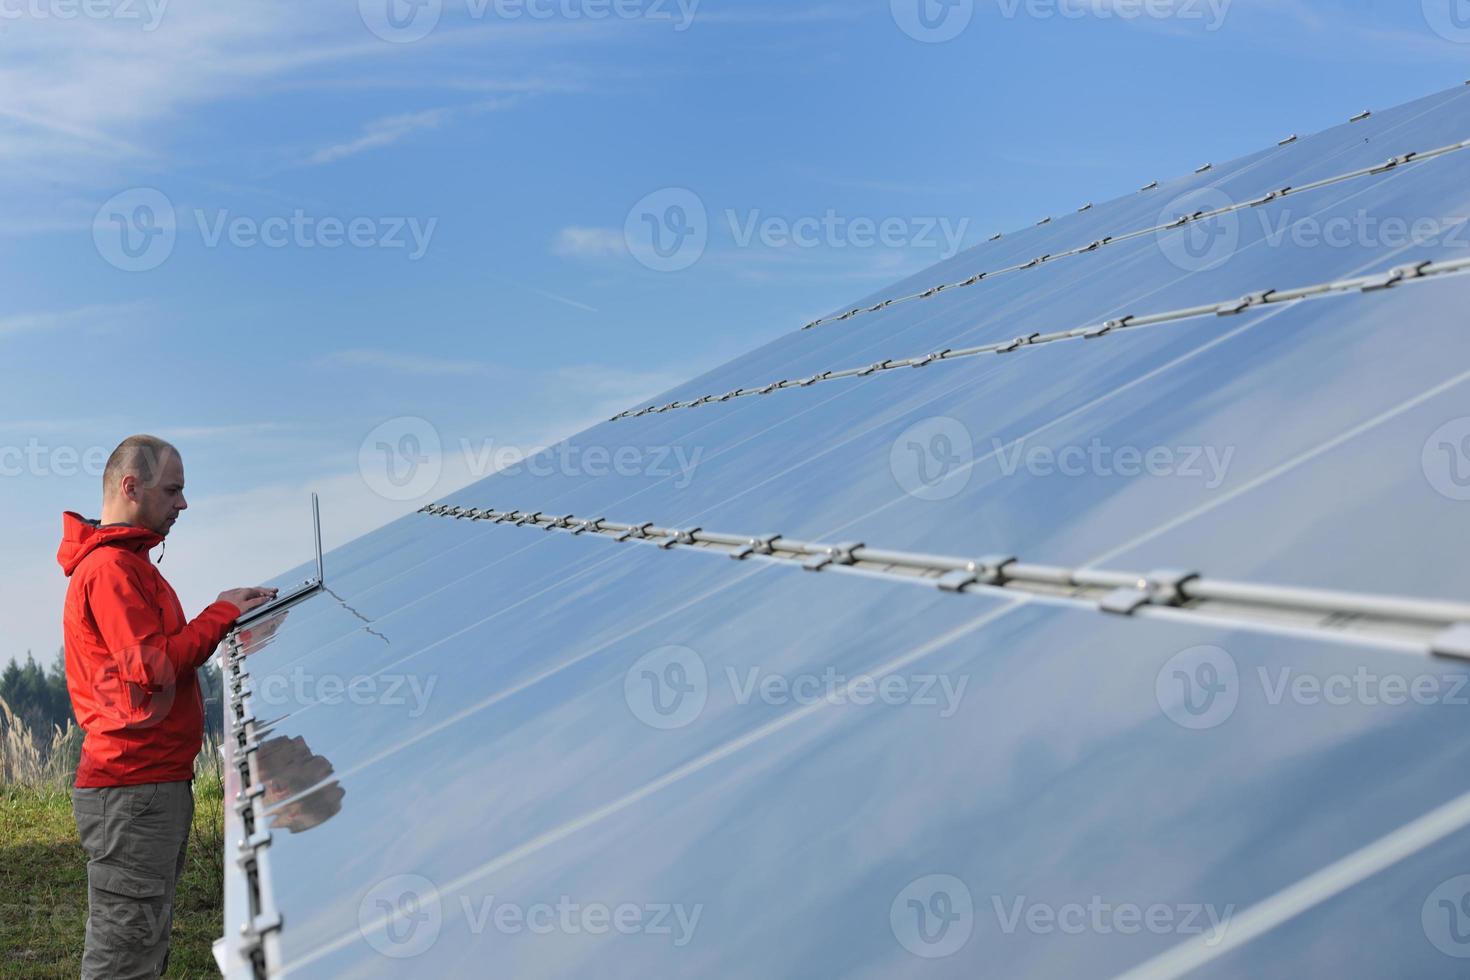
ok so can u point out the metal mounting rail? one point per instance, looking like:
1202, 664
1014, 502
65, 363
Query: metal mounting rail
1423, 626
252, 927
1177, 222
1397, 276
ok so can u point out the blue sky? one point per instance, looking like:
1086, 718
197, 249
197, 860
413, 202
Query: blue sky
440, 216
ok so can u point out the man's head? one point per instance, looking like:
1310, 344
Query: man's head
143, 484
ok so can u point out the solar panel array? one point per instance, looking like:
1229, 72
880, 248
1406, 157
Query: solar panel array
851, 657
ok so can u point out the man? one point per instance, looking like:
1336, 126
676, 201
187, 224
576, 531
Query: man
130, 668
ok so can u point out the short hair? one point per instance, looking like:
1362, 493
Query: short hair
140, 456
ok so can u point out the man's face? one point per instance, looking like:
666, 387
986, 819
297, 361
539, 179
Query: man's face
158, 505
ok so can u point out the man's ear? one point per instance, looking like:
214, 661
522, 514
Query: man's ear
127, 487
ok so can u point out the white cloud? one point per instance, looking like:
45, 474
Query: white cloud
391, 129
104, 315
401, 363
581, 242
382, 132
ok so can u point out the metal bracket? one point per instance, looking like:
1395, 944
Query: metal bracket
996, 237
1018, 342
756, 546
254, 842
1044, 221
1361, 116
1161, 588
1205, 168
837, 554
875, 368
584, 526
507, 517
248, 793
1393, 162
1085, 207
1149, 186
808, 382
1396, 275
989, 570
637, 531
1107, 328
1290, 139
558, 523
1244, 303
772, 387
529, 519
679, 537
1453, 642
930, 358
257, 927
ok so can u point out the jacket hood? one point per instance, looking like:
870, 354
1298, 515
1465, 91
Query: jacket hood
81, 536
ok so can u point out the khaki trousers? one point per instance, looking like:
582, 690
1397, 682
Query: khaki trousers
135, 838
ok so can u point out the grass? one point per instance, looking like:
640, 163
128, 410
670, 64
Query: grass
43, 871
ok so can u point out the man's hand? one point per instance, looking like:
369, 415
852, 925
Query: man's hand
247, 599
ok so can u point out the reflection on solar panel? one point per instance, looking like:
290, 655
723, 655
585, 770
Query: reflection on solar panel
1143, 656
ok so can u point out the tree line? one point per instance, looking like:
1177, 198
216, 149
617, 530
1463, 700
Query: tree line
38, 697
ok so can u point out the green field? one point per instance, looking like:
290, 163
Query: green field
43, 885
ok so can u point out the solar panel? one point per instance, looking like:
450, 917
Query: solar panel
1101, 614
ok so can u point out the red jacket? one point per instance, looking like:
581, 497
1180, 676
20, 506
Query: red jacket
131, 657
